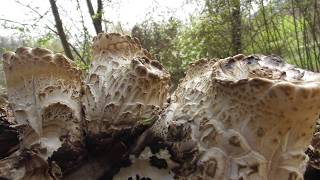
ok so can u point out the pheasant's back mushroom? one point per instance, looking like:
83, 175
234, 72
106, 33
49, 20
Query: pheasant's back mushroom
241, 118
273, 106
44, 92
124, 86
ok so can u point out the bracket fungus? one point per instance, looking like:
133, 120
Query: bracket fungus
243, 117
44, 92
124, 85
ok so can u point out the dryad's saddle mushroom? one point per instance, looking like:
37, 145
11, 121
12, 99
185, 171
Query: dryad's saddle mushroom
243, 117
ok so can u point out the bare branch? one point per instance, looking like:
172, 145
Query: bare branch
60, 29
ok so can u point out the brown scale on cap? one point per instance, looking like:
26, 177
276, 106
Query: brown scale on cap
126, 79
117, 44
243, 117
44, 90
250, 118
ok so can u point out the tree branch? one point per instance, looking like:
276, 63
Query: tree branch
60, 30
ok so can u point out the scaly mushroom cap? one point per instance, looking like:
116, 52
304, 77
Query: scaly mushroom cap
242, 118
44, 90
124, 86
278, 105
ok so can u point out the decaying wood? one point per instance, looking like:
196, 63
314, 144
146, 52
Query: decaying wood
243, 117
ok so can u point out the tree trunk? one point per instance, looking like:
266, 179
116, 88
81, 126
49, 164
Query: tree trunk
59, 26
96, 17
243, 117
236, 26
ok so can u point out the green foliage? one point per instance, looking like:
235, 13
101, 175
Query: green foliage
97, 16
206, 36
288, 28
148, 121
47, 40
159, 38
81, 65
285, 28
3, 49
42, 41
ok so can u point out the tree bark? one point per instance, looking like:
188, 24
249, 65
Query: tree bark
96, 17
236, 27
60, 30
234, 118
